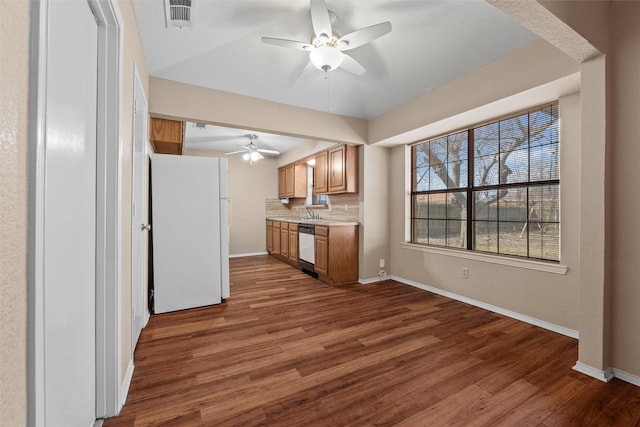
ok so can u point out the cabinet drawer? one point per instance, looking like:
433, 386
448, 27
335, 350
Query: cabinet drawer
322, 230
293, 226
284, 226
269, 223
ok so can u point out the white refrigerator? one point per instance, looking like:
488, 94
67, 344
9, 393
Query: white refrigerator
190, 214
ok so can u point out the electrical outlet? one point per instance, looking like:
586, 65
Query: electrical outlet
465, 273
381, 263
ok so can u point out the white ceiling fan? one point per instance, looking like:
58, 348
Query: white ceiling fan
251, 152
326, 48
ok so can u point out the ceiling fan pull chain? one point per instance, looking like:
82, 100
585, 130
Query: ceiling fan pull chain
326, 77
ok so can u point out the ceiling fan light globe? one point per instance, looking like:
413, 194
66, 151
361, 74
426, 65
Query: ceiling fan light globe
326, 58
254, 156
245, 156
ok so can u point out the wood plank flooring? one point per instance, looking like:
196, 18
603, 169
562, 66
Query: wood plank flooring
288, 350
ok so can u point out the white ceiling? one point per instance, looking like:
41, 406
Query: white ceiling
226, 140
432, 42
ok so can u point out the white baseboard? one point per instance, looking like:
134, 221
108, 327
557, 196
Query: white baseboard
604, 376
124, 387
372, 279
248, 254
524, 318
625, 376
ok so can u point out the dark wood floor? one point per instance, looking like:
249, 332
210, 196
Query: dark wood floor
287, 350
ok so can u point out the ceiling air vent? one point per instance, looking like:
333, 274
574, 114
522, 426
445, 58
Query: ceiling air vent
178, 13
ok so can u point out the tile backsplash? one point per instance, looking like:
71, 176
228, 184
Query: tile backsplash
344, 207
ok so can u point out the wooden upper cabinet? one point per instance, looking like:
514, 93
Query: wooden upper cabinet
342, 169
292, 181
320, 183
289, 180
166, 136
300, 180
282, 177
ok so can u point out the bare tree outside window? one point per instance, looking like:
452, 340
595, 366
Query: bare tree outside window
494, 188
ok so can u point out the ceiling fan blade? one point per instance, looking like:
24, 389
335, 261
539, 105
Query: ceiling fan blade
320, 18
308, 67
351, 65
272, 152
234, 152
363, 36
291, 44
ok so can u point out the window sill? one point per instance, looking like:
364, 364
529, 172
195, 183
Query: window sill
546, 267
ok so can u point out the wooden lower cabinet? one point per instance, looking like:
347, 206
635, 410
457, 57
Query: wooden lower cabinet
276, 238
336, 249
284, 239
269, 236
337, 254
322, 251
293, 243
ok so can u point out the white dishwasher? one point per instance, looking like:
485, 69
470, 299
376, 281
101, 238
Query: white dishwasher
307, 247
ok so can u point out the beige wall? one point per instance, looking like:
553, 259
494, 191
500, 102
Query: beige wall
14, 90
180, 101
374, 209
133, 57
625, 340
249, 187
545, 296
303, 150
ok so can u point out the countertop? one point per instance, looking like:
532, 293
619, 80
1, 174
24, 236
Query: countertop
325, 222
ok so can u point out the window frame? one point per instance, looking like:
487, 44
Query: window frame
471, 189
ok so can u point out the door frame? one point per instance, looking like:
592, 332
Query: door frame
108, 215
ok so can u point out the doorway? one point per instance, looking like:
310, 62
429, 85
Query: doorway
139, 217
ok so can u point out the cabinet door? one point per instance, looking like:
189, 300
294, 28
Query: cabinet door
289, 180
269, 236
300, 180
320, 183
342, 167
337, 173
322, 250
293, 246
284, 242
281, 183
276, 238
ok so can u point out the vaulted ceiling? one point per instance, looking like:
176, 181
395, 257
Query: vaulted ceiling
432, 42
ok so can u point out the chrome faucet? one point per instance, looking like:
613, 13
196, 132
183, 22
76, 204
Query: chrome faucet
310, 214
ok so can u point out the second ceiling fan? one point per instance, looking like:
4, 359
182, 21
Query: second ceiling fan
251, 152
326, 48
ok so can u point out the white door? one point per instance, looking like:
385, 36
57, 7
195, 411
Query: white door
139, 230
186, 232
69, 251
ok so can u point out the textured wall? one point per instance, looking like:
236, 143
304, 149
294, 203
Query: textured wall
625, 188
14, 75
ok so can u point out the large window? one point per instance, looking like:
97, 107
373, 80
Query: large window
492, 188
